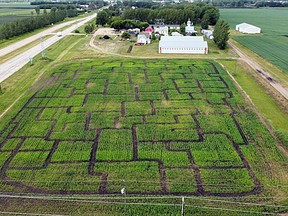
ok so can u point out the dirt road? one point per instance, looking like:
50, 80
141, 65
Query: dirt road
283, 91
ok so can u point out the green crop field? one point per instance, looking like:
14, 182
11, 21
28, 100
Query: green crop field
273, 43
14, 11
175, 127
10, 15
16, 5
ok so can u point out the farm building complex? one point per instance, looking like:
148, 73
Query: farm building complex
183, 45
248, 28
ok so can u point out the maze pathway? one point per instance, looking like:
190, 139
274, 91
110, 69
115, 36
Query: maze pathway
151, 126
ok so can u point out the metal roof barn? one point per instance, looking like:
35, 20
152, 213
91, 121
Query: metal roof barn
248, 28
183, 45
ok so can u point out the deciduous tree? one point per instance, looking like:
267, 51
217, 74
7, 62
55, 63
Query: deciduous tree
221, 34
102, 18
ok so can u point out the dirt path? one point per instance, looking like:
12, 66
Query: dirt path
266, 76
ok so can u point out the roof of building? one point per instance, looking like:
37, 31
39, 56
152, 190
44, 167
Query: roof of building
149, 29
246, 25
132, 32
183, 42
184, 39
142, 36
146, 34
176, 34
158, 26
204, 31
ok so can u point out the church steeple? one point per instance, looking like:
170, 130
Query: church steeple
189, 22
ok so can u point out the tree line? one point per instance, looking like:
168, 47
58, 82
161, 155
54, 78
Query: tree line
198, 13
18, 27
128, 24
175, 14
169, 14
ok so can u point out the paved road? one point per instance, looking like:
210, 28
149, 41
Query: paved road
14, 64
283, 91
19, 44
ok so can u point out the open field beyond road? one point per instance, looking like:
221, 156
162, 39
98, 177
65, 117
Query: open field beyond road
272, 44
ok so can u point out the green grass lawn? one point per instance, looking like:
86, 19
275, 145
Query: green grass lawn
264, 103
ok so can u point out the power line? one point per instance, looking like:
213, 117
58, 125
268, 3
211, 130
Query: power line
240, 203
148, 204
71, 199
136, 181
232, 210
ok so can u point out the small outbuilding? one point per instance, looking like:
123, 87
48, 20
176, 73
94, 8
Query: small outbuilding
183, 45
176, 34
143, 38
248, 28
208, 34
163, 30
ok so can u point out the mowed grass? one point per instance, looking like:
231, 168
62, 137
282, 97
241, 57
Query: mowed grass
99, 124
272, 44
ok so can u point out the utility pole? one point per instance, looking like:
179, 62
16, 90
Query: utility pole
31, 60
42, 46
183, 205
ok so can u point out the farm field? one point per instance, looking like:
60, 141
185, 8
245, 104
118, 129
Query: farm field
10, 15
10, 12
158, 127
272, 44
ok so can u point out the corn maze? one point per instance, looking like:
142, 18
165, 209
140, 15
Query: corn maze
152, 126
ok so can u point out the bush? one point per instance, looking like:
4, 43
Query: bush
77, 31
88, 29
126, 35
106, 37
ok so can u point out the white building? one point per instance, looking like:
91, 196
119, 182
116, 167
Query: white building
208, 33
176, 34
247, 28
163, 30
143, 38
189, 29
183, 45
